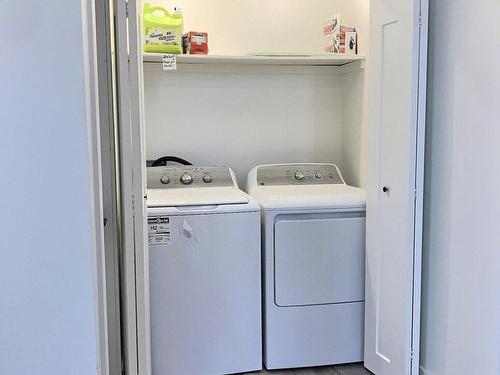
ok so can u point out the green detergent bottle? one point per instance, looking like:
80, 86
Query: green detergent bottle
162, 30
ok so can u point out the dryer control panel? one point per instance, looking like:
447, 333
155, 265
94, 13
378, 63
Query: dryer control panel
189, 176
298, 174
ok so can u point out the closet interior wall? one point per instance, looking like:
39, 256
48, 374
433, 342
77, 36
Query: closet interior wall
243, 115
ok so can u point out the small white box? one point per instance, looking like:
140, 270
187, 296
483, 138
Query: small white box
351, 43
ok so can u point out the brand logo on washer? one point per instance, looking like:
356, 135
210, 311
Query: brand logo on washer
158, 220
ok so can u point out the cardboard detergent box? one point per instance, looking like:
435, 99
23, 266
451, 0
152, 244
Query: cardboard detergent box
195, 43
331, 34
338, 38
348, 40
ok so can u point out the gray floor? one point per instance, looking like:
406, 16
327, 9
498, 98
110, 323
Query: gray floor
351, 369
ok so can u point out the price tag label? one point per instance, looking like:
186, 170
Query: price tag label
169, 62
159, 230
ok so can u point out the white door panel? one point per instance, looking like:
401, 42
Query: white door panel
135, 275
392, 107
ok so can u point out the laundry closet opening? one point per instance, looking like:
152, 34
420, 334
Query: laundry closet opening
329, 148
244, 114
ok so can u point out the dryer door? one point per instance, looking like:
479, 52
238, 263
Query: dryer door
319, 259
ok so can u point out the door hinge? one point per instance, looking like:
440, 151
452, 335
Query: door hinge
419, 22
133, 203
126, 9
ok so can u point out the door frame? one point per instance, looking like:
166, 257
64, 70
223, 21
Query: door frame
91, 84
110, 184
423, 11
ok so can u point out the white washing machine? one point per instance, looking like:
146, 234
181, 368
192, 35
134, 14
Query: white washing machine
313, 259
204, 272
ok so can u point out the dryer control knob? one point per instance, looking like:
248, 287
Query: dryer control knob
165, 180
207, 178
299, 176
318, 176
186, 179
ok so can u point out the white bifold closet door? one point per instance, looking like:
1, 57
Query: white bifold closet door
134, 255
395, 115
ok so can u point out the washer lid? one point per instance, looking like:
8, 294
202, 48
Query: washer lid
196, 196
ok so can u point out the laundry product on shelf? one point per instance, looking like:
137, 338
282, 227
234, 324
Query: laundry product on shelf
339, 39
331, 32
195, 43
162, 30
348, 40
351, 43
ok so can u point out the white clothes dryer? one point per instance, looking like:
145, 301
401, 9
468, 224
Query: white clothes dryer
313, 228
204, 272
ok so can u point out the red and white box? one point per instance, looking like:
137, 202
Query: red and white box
195, 43
348, 42
331, 33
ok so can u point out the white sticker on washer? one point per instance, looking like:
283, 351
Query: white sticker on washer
159, 230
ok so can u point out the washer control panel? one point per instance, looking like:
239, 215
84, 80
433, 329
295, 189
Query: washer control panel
298, 174
188, 176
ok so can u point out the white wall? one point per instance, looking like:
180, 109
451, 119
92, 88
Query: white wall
354, 130
461, 295
47, 315
243, 119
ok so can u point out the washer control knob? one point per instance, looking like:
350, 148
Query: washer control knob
299, 176
207, 178
186, 179
164, 180
318, 176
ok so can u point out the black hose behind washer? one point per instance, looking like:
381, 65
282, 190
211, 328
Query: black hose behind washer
165, 159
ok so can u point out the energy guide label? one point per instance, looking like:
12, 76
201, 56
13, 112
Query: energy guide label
159, 230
